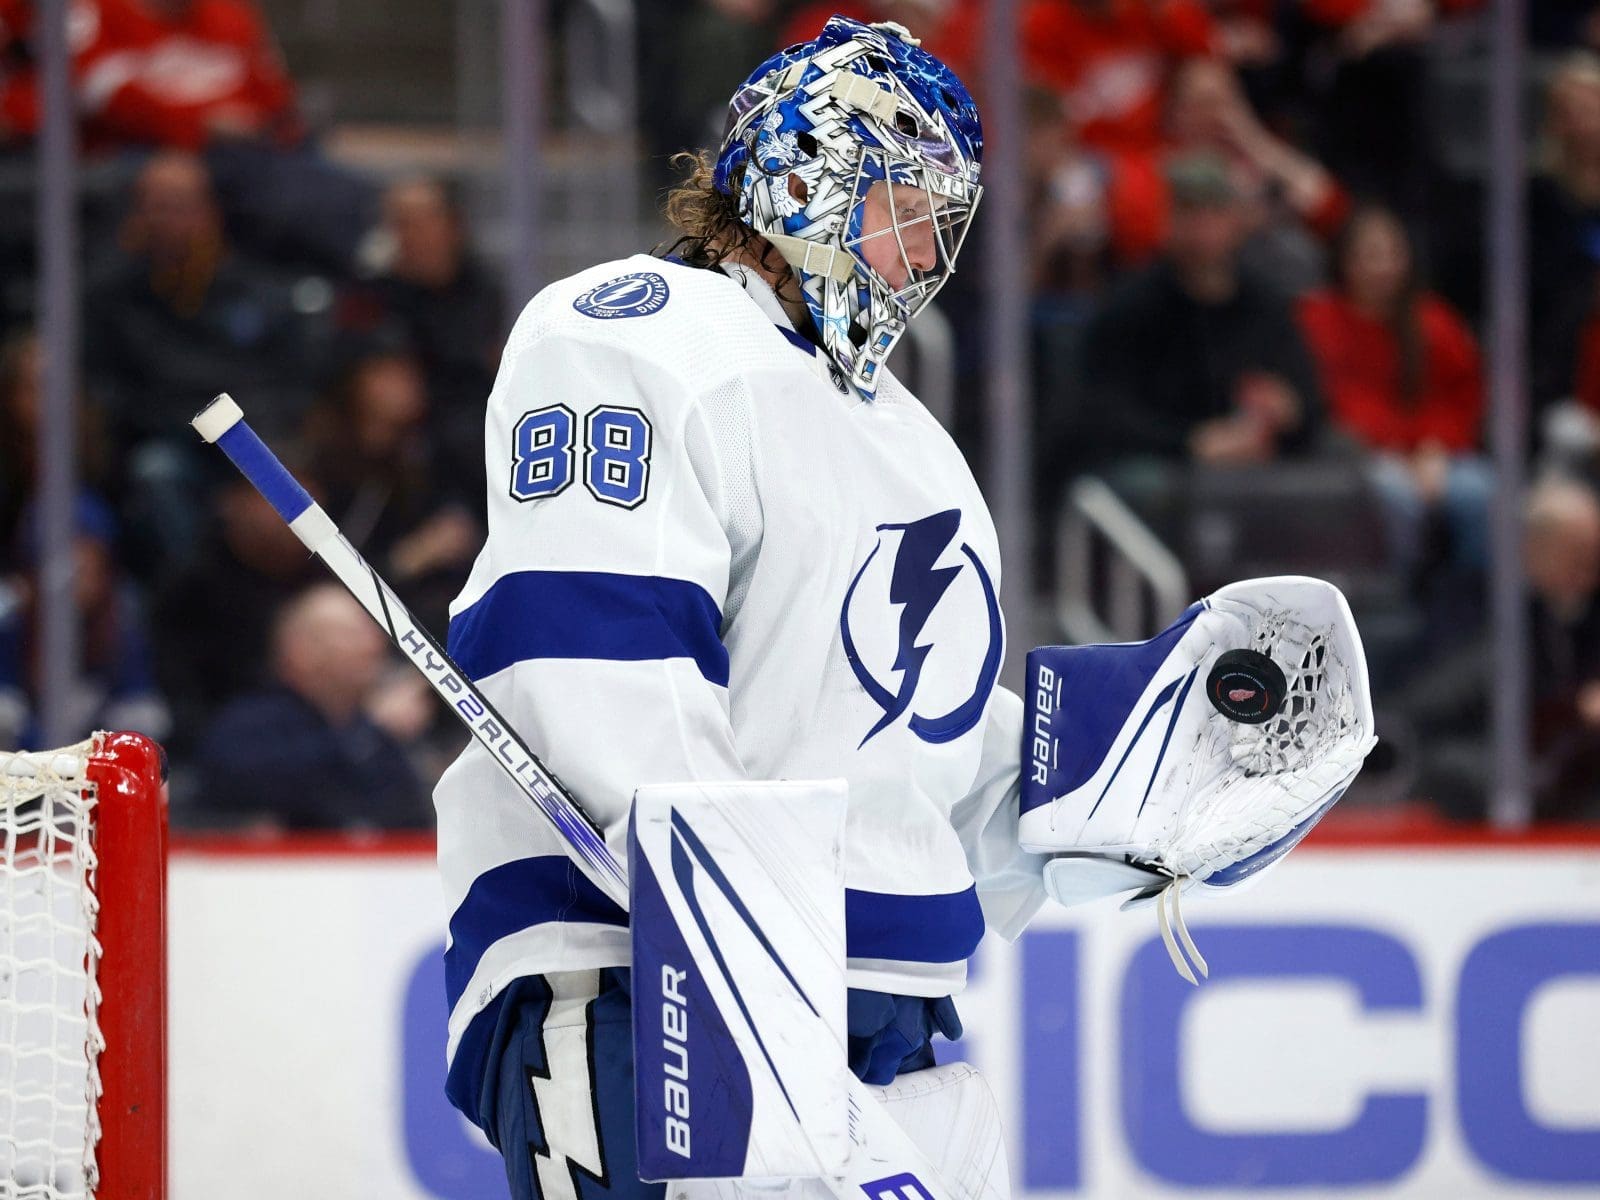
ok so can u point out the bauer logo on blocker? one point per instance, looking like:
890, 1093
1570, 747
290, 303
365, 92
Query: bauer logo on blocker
636, 295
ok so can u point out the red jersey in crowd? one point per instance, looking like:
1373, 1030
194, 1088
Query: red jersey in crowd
1359, 360
1109, 60
167, 73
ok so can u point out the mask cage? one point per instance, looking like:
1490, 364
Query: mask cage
929, 215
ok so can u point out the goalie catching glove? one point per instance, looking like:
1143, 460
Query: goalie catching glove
1199, 757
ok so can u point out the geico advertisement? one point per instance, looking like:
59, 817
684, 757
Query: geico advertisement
1384, 1022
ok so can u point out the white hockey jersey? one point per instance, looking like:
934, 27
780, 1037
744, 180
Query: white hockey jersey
710, 559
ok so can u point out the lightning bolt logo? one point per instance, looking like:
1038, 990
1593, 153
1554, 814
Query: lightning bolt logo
917, 584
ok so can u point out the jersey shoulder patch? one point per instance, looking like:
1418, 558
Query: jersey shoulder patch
635, 294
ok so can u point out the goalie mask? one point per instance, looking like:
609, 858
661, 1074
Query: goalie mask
857, 130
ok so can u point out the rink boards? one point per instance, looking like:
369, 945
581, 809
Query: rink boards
1415, 1020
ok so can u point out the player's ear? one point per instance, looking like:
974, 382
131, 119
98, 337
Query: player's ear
798, 188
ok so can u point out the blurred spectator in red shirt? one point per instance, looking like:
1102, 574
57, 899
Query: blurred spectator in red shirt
1401, 373
162, 73
950, 30
1110, 61
203, 76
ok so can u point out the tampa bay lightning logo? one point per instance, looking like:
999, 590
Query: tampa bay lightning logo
636, 295
918, 585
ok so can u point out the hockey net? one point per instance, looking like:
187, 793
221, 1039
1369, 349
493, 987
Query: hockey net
83, 972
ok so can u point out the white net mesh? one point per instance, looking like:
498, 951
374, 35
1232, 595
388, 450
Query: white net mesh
1319, 710
1278, 773
49, 1034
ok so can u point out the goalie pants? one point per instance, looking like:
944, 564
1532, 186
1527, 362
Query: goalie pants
561, 1078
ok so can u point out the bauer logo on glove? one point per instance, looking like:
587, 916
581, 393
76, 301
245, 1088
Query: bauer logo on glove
1137, 784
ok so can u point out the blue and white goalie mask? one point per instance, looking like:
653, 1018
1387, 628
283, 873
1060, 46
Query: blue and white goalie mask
856, 156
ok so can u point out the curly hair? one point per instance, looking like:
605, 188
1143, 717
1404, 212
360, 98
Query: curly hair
710, 230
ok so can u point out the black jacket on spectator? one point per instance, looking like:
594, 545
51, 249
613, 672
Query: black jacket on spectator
1563, 273
213, 630
272, 756
1158, 363
456, 334
155, 361
1447, 705
454, 329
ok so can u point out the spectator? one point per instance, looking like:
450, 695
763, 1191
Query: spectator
213, 620
1561, 547
1291, 201
1371, 99
444, 302
176, 73
303, 753
21, 363
390, 488
1110, 59
1194, 358
1448, 702
179, 318
1400, 372
1564, 230
115, 687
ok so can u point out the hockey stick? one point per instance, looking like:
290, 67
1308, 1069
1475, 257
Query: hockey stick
890, 1166
222, 422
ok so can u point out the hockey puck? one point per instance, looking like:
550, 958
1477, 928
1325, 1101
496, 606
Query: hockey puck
1246, 686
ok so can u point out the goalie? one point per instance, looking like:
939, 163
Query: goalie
726, 544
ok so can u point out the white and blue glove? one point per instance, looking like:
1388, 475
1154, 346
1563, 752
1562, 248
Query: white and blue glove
1199, 757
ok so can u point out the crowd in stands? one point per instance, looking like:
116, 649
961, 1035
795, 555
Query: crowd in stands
1251, 262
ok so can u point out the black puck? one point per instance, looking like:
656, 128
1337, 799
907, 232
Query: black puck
1246, 686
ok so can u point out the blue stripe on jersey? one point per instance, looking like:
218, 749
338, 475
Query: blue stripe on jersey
589, 614
515, 896
929, 929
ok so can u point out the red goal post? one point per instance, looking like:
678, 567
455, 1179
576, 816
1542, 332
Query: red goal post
83, 852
